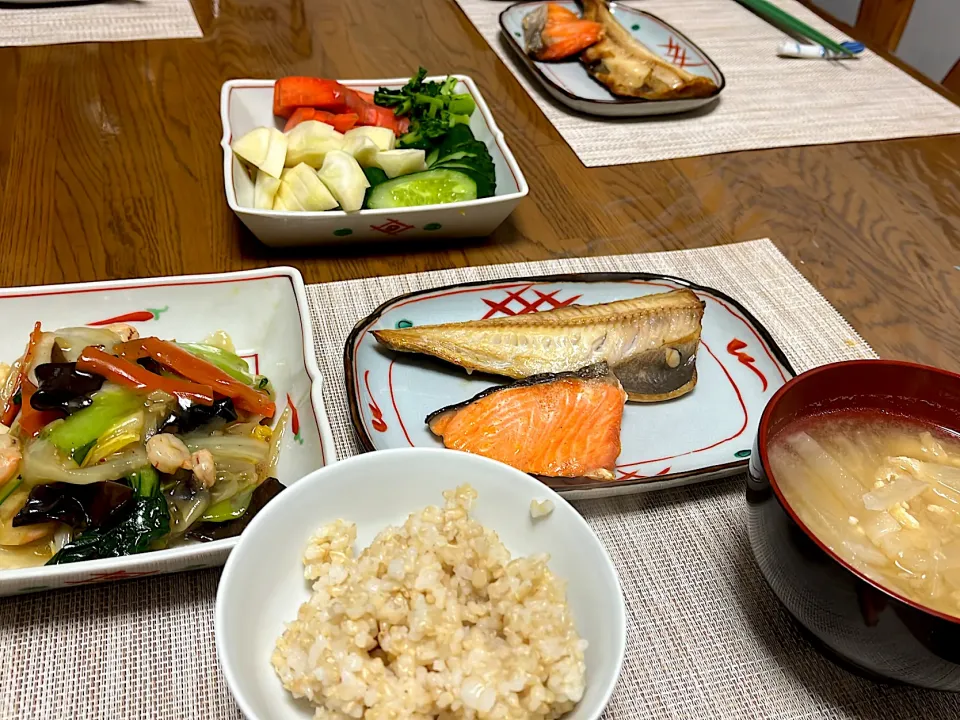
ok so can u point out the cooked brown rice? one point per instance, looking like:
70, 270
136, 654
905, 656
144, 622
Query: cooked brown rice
433, 620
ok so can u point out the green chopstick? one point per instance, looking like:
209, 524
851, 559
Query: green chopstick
788, 22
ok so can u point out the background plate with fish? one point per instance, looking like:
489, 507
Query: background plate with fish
704, 434
571, 84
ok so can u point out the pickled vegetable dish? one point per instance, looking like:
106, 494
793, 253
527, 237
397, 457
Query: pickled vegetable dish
347, 150
884, 494
112, 444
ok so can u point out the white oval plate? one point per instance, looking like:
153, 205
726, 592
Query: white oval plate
705, 434
262, 585
571, 84
266, 314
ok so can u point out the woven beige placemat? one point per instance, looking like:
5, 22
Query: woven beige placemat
768, 102
707, 638
108, 21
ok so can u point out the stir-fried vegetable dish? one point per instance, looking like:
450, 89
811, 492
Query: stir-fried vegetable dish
112, 444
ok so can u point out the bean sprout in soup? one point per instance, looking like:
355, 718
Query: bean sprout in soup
884, 494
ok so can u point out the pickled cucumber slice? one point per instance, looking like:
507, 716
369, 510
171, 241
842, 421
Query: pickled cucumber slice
424, 188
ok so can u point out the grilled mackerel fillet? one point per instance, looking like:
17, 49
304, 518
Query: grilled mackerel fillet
650, 343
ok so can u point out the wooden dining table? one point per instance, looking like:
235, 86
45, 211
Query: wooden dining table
110, 167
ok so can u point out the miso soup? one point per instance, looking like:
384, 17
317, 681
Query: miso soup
884, 494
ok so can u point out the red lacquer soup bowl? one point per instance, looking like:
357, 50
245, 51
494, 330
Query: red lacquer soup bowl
867, 628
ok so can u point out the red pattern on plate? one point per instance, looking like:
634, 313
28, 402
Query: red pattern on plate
294, 420
392, 227
393, 400
137, 316
115, 575
634, 475
677, 54
378, 423
735, 347
743, 407
256, 361
543, 301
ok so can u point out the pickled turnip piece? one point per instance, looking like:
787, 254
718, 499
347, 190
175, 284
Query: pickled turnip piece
310, 141
344, 178
265, 191
401, 162
383, 138
265, 148
301, 189
362, 148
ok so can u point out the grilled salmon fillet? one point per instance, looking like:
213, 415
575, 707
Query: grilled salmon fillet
556, 425
551, 32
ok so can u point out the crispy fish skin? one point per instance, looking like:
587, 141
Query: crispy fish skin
555, 425
628, 68
649, 342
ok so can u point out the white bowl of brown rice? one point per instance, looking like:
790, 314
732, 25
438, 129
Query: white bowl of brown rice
420, 583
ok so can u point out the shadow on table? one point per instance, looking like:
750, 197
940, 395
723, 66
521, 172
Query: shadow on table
789, 644
348, 249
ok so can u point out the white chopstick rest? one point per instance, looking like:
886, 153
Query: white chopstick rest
794, 49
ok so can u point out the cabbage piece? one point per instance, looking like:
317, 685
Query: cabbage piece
72, 340
265, 492
43, 463
227, 447
276, 438
123, 433
186, 506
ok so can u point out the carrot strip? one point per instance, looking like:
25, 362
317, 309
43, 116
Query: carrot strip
198, 370
290, 93
343, 122
299, 115
129, 374
33, 421
11, 408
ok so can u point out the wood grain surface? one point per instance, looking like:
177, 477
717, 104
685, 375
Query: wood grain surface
882, 21
111, 167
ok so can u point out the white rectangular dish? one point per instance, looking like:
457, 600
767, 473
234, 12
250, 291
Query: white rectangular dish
247, 104
265, 313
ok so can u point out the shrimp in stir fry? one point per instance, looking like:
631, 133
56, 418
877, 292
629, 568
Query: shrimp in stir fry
10, 457
106, 423
204, 469
167, 453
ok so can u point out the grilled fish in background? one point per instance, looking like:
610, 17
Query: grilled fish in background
627, 67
